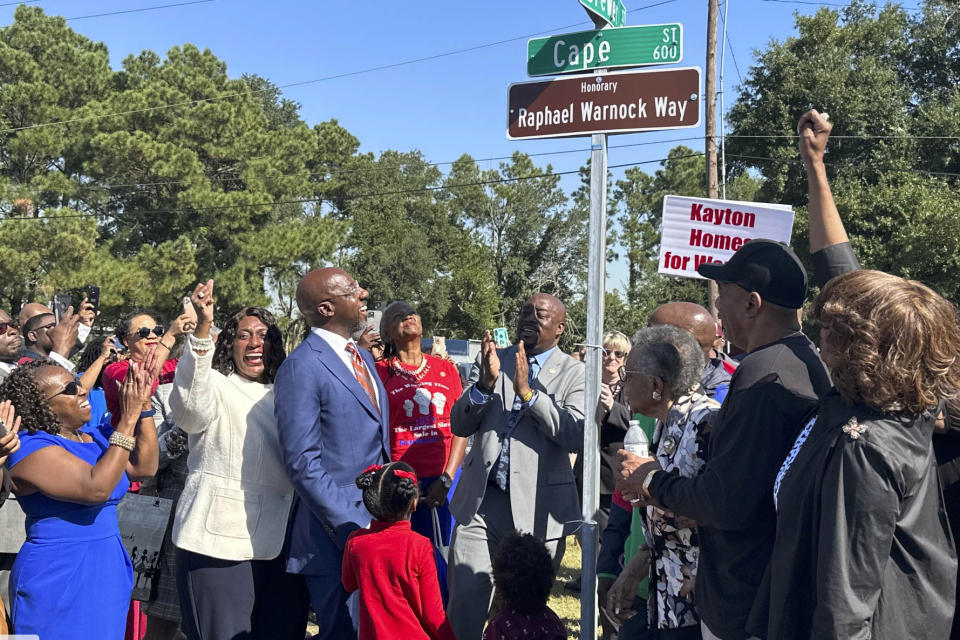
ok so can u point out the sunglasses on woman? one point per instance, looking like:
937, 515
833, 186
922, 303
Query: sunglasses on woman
144, 332
614, 352
71, 389
13, 324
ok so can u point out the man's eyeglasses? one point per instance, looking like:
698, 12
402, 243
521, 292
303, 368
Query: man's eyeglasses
144, 332
348, 294
625, 374
46, 326
620, 355
12, 324
71, 389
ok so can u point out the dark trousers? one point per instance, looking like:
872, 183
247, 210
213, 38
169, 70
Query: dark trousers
245, 600
337, 611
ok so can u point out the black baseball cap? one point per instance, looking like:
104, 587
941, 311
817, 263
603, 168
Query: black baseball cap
770, 268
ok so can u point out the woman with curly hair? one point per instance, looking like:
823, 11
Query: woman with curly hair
231, 520
73, 576
863, 547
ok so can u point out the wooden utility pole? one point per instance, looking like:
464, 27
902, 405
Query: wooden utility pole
710, 135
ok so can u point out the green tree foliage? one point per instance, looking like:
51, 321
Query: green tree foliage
227, 184
886, 77
638, 198
528, 234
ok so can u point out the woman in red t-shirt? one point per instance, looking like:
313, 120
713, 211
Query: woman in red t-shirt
421, 391
142, 334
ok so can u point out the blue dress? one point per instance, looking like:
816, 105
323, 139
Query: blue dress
72, 577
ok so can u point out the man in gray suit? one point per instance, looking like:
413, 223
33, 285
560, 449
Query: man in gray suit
524, 407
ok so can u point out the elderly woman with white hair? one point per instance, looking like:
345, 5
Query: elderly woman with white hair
662, 381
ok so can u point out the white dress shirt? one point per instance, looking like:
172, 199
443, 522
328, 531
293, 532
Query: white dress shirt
339, 345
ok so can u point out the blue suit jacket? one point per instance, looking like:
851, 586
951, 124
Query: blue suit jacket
329, 433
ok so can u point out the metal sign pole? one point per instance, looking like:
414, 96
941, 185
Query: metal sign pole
591, 455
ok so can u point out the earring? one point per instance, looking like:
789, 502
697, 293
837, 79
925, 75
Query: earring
656, 395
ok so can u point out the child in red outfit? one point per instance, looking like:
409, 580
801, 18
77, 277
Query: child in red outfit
523, 575
391, 565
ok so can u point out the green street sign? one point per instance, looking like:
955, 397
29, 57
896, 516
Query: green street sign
605, 49
611, 12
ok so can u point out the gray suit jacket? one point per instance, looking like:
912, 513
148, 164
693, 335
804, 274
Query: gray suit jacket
543, 495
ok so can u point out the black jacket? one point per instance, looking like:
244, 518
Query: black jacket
863, 546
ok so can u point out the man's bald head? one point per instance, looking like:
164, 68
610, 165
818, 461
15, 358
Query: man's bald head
691, 317
331, 299
32, 309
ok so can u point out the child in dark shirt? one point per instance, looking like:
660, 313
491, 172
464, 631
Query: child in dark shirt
391, 565
523, 575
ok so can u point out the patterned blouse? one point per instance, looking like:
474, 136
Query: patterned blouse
675, 548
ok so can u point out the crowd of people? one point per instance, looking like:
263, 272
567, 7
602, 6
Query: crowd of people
789, 491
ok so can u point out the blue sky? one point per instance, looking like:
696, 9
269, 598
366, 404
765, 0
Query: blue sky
445, 106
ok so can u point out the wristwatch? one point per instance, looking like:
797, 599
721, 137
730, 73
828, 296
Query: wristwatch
648, 480
445, 480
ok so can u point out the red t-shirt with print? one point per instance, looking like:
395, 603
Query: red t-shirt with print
420, 405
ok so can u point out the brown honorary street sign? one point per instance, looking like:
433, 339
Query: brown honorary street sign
619, 102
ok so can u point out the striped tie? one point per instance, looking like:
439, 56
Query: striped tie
360, 371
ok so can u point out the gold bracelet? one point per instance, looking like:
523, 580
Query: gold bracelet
528, 396
118, 439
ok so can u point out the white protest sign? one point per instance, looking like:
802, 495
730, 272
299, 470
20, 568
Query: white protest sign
698, 230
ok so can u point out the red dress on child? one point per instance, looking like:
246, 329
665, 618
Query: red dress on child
394, 569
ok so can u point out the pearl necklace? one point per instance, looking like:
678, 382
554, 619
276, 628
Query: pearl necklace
417, 374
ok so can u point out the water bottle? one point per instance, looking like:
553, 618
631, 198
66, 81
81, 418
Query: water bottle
635, 441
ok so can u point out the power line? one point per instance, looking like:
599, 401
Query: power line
10, 4
392, 166
116, 13
429, 189
306, 82
845, 165
730, 47
861, 137
828, 4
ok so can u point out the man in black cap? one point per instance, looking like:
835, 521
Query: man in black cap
772, 395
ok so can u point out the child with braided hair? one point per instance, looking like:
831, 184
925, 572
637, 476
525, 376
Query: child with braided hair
391, 565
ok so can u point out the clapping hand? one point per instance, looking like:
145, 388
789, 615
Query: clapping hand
10, 442
136, 389
521, 384
152, 365
489, 362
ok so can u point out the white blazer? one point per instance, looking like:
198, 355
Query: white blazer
237, 497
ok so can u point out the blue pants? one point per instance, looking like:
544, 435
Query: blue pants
337, 611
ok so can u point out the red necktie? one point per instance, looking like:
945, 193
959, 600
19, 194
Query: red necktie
360, 371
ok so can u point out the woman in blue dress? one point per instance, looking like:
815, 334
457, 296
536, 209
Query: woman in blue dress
72, 577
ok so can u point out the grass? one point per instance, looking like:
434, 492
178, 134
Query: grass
565, 603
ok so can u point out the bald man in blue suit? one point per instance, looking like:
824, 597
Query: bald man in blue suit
332, 418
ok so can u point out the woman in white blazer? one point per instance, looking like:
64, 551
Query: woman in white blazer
231, 519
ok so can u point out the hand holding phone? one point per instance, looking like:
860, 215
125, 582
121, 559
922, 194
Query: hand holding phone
191, 312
